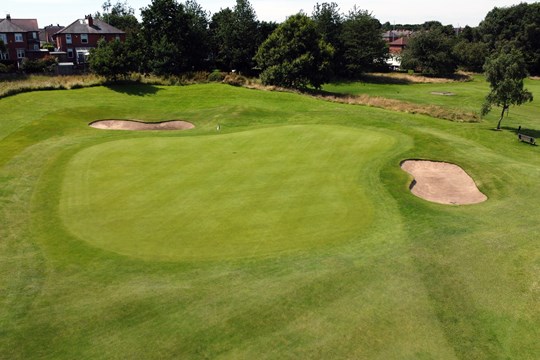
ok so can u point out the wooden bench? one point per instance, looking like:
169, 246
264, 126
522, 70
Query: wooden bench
527, 139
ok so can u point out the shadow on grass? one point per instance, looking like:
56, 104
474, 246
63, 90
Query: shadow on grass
530, 132
133, 88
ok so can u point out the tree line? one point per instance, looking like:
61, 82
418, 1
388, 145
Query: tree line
305, 50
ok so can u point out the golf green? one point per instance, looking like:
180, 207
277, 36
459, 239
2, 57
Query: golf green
256, 193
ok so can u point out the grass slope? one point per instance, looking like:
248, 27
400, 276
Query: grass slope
419, 280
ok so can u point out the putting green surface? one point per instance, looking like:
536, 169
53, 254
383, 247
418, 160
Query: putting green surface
252, 193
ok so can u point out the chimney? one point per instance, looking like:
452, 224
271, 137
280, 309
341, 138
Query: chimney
89, 20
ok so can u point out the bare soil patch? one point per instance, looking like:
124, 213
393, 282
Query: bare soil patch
133, 125
443, 93
442, 183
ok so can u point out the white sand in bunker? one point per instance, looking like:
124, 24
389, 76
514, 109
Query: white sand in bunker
442, 183
134, 125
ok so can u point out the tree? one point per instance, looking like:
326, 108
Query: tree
505, 73
430, 52
175, 36
119, 15
197, 39
111, 60
235, 37
364, 49
295, 55
519, 24
329, 24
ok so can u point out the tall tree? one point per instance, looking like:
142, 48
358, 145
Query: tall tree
119, 15
505, 72
245, 40
430, 52
222, 35
519, 24
198, 38
329, 23
175, 36
363, 47
235, 37
295, 55
111, 60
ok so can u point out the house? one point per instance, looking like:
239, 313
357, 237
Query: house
393, 35
46, 34
78, 38
396, 47
21, 39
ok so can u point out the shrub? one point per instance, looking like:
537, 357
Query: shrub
47, 64
4, 69
216, 76
235, 80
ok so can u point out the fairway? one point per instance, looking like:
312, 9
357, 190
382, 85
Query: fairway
253, 193
290, 233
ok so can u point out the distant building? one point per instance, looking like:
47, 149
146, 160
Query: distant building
393, 35
78, 38
46, 34
397, 46
21, 39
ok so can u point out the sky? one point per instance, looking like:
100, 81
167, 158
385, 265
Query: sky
456, 12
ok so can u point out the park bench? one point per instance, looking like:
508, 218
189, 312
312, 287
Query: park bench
527, 139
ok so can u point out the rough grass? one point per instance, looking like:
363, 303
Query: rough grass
423, 281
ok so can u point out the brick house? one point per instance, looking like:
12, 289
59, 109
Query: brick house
397, 46
78, 38
21, 39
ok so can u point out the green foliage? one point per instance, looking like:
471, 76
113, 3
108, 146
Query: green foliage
505, 73
469, 55
364, 49
121, 16
520, 25
111, 60
4, 69
45, 65
236, 38
175, 36
430, 52
216, 76
329, 23
295, 55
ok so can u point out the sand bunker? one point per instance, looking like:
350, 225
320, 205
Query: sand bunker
442, 183
140, 125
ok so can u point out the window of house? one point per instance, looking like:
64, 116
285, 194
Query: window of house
4, 56
68, 39
84, 38
70, 53
3, 38
36, 47
20, 53
34, 35
18, 37
117, 37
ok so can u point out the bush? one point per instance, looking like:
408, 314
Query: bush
216, 76
235, 80
4, 69
47, 64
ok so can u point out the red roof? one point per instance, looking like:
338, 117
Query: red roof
26, 25
400, 42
